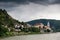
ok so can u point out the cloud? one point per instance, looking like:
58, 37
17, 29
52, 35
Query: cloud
24, 10
7, 4
32, 11
35, 1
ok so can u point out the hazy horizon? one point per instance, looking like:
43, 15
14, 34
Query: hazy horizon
27, 10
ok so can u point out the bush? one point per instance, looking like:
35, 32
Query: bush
3, 30
34, 29
48, 30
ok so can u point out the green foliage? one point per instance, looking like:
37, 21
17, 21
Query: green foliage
34, 29
6, 19
3, 30
31, 29
25, 29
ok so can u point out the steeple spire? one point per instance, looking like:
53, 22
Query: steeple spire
48, 24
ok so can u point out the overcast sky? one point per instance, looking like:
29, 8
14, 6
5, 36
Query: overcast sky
27, 10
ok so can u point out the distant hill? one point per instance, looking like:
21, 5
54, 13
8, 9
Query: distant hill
6, 19
53, 23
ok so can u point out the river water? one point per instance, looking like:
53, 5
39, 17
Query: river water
52, 36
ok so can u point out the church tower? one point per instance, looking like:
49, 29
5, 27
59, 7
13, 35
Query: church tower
48, 24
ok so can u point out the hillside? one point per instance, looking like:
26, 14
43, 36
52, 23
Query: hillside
53, 23
8, 25
6, 19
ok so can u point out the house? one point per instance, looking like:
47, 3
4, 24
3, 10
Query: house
39, 25
42, 27
18, 27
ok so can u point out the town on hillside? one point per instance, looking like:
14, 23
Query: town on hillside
38, 27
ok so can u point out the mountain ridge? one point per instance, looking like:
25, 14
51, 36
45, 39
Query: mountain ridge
53, 23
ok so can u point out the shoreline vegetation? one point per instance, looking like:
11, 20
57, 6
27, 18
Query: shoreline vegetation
12, 34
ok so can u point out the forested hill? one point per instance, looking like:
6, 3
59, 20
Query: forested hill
53, 23
7, 24
6, 19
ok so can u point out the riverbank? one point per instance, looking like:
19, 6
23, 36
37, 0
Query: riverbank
22, 33
10, 34
50, 36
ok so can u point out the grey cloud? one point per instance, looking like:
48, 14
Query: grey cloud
35, 1
31, 11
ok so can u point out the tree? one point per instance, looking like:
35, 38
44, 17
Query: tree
48, 30
34, 29
3, 30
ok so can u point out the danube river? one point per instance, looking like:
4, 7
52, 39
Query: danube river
51, 36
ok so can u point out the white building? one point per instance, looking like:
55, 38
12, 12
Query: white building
39, 25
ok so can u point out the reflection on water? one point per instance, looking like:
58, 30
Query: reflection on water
53, 36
